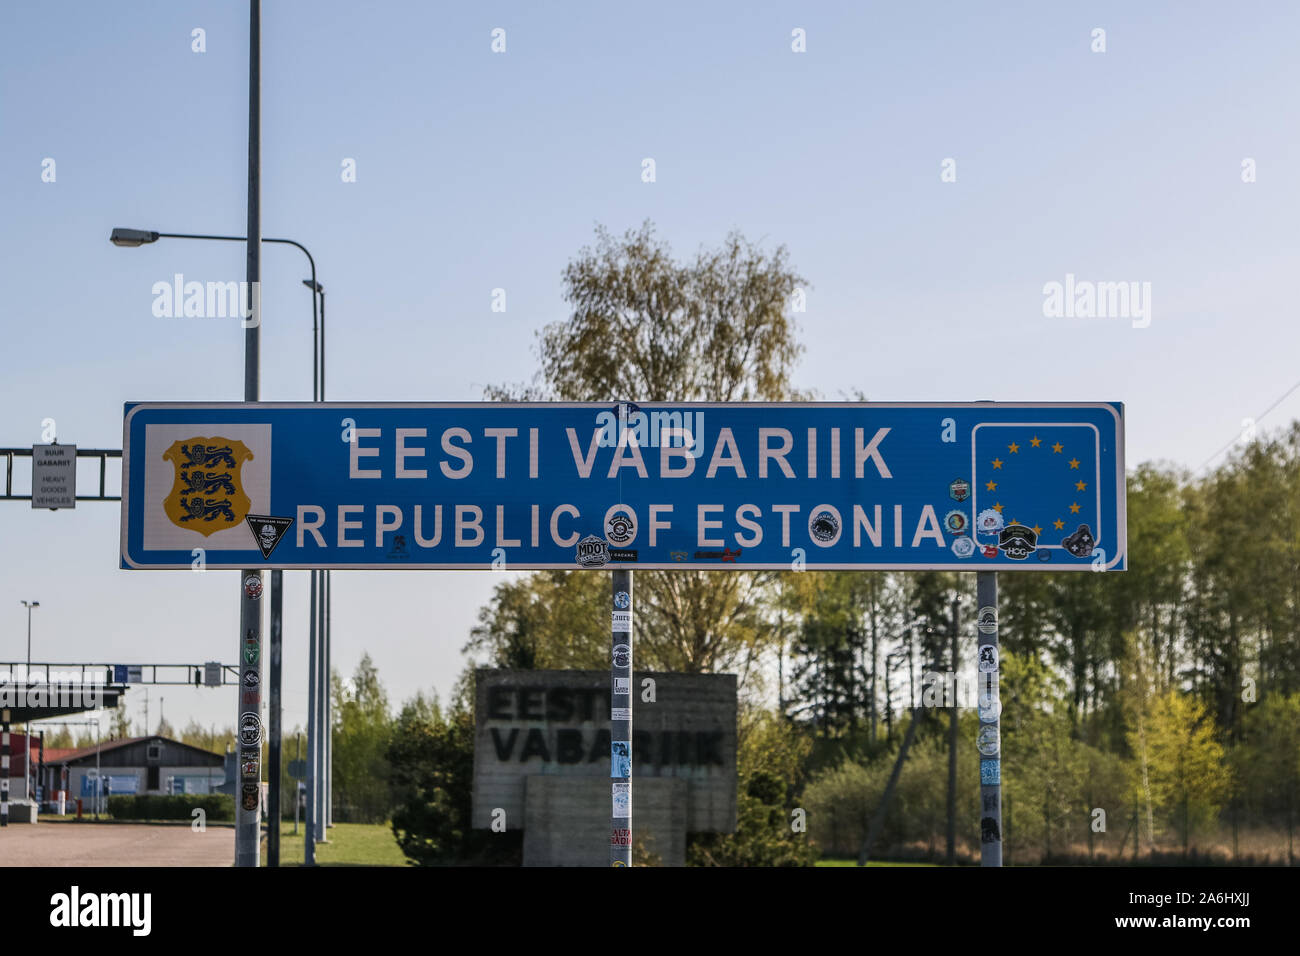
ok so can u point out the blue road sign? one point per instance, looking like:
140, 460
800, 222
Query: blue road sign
981, 486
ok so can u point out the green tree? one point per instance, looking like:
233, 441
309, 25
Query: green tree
120, 728
769, 758
1046, 766
548, 620
646, 327
1267, 764
208, 738
1189, 777
59, 737
361, 732
432, 756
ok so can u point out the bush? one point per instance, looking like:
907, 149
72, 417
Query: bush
769, 758
216, 806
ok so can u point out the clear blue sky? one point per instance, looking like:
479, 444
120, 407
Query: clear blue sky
478, 170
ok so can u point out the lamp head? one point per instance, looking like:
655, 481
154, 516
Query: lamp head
132, 237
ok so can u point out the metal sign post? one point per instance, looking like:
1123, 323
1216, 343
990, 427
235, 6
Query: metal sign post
313, 730
248, 798
273, 722
4, 769
989, 738
248, 808
620, 721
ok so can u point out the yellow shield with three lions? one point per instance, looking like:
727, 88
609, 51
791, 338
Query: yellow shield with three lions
207, 495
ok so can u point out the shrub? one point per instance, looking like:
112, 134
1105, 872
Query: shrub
216, 806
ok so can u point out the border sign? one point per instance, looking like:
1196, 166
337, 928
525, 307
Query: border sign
978, 487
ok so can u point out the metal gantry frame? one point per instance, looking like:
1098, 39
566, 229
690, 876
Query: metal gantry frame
88, 671
103, 454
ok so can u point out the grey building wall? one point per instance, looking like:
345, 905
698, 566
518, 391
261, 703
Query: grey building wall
564, 825
534, 725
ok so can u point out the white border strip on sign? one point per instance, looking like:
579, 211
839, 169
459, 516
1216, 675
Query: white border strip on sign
1121, 503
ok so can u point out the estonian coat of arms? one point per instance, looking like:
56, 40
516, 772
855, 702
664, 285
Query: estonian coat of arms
207, 495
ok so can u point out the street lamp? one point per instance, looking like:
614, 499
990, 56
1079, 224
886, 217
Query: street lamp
27, 727
321, 591
131, 238
29, 605
318, 682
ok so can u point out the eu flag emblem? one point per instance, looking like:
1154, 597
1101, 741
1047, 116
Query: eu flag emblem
1043, 478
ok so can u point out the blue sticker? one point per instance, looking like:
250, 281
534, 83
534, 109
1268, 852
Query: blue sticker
990, 773
620, 759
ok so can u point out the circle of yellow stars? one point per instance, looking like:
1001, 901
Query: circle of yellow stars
1014, 449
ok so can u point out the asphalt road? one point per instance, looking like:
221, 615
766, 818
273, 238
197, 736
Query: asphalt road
115, 844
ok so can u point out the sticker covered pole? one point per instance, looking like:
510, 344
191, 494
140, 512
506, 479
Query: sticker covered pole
248, 805
4, 770
620, 721
274, 796
313, 732
989, 738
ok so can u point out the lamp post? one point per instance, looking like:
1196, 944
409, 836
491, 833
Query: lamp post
318, 687
130, 238
27, 728
29, 605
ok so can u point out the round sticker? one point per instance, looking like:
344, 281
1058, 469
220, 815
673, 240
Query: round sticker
987, 740
824, 525
987, 621
988, 659
963, 547
956, 522
620, 525
622, 655
990, 707
250, 730
253, 586
622, 600
989, 521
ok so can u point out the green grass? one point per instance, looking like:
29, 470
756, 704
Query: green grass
869, 863
350, 844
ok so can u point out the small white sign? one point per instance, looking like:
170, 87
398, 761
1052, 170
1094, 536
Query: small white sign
622, 801
54, 476
212, 674
620, 713
622, 622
